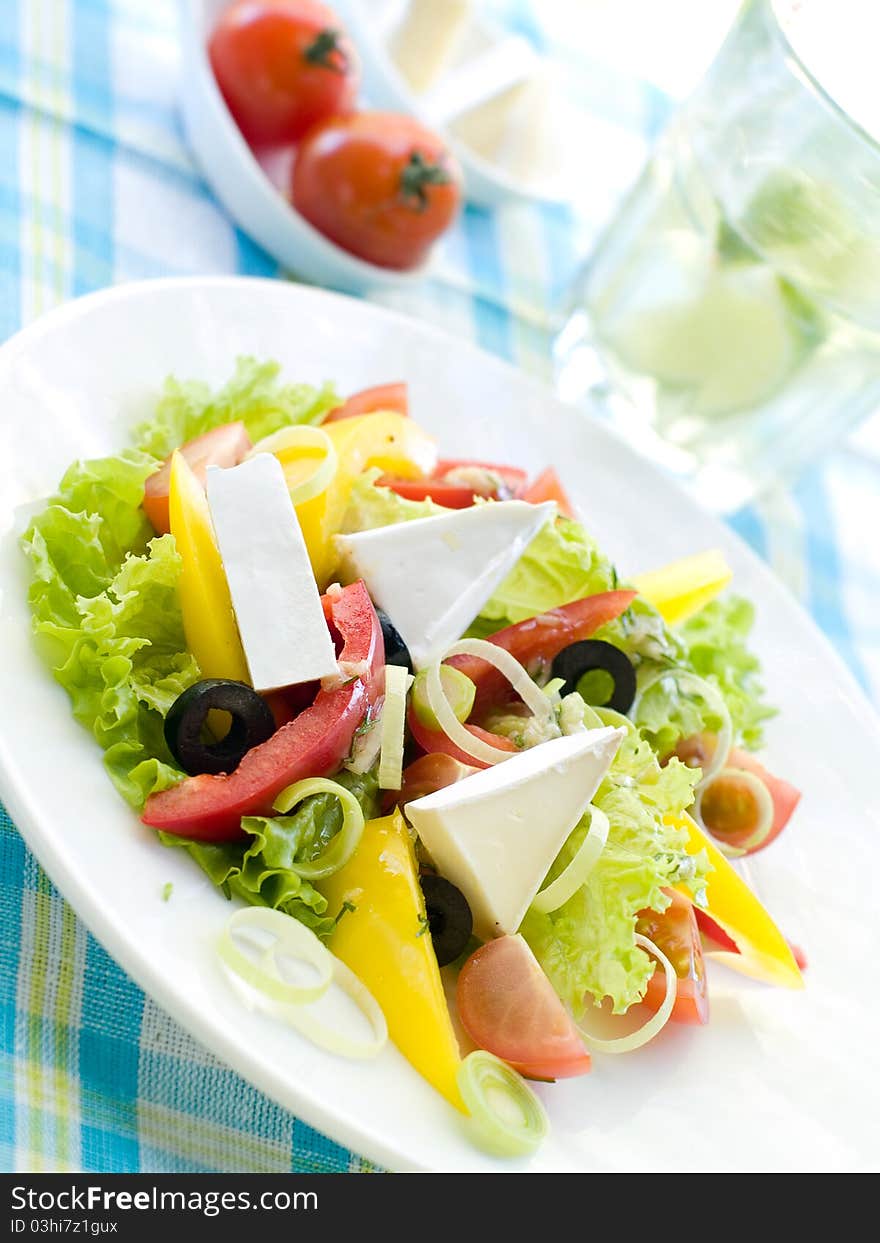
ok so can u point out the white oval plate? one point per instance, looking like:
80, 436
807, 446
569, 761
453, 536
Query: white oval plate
778, 1081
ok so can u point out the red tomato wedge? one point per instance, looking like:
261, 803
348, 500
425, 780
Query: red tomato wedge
716, 933
371, 400
695, 751
728, 807
799, 955
547, 487
435, 742
508, 1007
458, 484
675, 932
287, 704
429, 773
785, 798
314, 744
535, 641
224, 446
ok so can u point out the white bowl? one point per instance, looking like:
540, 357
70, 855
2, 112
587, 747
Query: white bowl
245, 187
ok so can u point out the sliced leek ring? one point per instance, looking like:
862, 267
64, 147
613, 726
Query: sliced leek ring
397, 683
536, 701
763, 801
295, 1003
344, 844
292, 939
654, 1025
567, 883
505, 1116
290, 441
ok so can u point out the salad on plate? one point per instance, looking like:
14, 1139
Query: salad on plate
404, 712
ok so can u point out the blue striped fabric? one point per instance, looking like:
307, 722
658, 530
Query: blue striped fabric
96, 187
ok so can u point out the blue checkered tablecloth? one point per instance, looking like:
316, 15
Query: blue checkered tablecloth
97, 187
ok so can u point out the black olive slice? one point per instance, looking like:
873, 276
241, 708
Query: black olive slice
588, 654
396, 651
252, 723
449, 917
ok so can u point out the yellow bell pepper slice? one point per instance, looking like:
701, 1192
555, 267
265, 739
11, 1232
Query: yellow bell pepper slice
764, 952
208, 619
682, 588
389, 441
385, 942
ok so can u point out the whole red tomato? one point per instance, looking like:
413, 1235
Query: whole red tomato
378, 184
282, 66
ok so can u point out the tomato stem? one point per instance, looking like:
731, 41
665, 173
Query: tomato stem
326, 50
418, 174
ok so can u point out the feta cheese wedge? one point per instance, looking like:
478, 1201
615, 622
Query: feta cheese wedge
274, 594
433, 575
495, 834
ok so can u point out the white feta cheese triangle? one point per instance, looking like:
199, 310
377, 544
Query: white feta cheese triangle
495, 834
433, 575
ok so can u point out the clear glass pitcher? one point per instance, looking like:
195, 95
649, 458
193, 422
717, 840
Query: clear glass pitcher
730, 313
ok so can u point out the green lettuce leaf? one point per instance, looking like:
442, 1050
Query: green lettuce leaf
716, 640
561, 564
587, 947
254, 395
107, 618
259, 870
712, 644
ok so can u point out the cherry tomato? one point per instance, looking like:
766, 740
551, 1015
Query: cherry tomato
507, 1006
458, 484
675, 932
547, 487
435, 742
380, 185
282, 66
371, 401
224, 446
